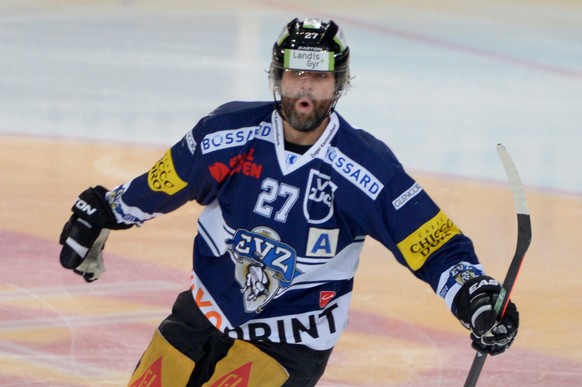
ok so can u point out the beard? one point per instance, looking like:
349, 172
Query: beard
305, 122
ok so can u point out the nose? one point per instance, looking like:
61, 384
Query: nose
305, 82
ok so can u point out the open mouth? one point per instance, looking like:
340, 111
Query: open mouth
303, 105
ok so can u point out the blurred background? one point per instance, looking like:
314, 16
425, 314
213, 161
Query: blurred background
441, 82
93, 92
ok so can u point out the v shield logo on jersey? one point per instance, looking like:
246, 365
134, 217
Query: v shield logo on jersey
318, 202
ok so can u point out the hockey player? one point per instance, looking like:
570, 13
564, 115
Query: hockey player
290, 191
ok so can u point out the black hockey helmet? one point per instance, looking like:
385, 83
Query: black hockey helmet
311, 45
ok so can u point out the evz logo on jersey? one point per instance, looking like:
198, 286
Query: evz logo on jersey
318, 202
264, 265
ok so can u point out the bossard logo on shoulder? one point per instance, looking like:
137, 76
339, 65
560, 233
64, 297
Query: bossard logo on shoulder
264, 265
319, 196
233, 137
354, 172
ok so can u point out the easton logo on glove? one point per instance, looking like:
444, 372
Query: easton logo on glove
484, 282
475, 309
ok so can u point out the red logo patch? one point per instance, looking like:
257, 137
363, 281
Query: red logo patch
239, 377
152, 377
219, 171
242, 163
325, 297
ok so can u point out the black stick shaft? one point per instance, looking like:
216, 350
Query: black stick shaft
523, 241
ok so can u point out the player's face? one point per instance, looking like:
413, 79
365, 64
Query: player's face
306, 97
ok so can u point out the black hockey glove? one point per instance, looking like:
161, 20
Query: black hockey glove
84, 235
475, 302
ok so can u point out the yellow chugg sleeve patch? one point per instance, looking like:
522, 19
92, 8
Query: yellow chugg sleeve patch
162, 177
428, 238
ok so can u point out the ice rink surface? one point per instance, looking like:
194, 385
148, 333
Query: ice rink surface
441, 82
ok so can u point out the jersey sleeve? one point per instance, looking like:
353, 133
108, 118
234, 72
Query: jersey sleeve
182, 174
421, 236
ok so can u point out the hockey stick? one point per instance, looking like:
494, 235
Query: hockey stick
523, 241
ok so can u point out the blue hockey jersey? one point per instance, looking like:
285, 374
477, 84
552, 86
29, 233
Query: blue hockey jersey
280, 237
